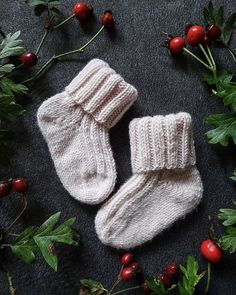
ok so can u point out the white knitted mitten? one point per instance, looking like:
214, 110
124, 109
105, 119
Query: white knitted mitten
75, 124
165, 185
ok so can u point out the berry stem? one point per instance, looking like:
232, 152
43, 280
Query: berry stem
55, 57
20, 214
197, 58
63, 22
211, 57
231, 51
116, 282
206, 55
208, 277
128, 289
12, 290
42, 41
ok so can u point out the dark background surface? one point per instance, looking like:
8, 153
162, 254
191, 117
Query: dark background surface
165, 85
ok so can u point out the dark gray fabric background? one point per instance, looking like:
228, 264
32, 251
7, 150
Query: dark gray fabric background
165, 85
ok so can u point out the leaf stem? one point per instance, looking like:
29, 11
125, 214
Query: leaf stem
197, 58
42, 41
10, 284
206, 55
63, 22
55, 57
127, 289
208, 277
20, 214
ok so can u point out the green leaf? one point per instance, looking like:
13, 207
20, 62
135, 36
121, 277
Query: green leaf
190, 277
225, 128
228, 242
24, 252
9, 109
222, 76
228, 216
7, 68
158, 288
227, 91
11, 45
34, 3
43, 238
93, 286
228, 28
233, 176
8, 86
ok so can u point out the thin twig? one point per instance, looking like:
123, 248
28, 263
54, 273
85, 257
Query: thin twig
42, 41
20, 214
63, 22
10, 284
197, 58
208, 277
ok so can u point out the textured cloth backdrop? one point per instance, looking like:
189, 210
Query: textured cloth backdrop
165, 86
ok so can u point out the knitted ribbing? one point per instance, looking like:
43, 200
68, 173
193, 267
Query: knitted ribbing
161, 142
165, 185
75, 124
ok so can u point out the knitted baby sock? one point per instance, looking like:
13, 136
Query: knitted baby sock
165, 185
75, 124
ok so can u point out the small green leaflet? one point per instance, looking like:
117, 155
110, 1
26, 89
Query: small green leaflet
11, 45
228, 242
228, 216
213, 15
225, 128
42, 239
94, 287
227, 91
9, 109
222, 75
233, 176
40, 6
190, 277
7, 68
158, 288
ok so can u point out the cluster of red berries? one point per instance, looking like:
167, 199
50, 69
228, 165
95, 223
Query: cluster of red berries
130, 267
196, 35
82, 11
20, 185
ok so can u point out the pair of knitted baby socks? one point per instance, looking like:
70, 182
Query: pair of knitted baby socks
165, 185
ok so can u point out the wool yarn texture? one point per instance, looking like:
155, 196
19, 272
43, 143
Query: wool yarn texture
75, 124
164, 187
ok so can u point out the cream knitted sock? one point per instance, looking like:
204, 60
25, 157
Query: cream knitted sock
165, 185
75, 124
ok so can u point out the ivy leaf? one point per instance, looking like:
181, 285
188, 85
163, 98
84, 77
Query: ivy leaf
7, 68
233, 176
227, 28
228, 215
225, 128
11, 45
158, 288
190, 277
94, 287
42, 239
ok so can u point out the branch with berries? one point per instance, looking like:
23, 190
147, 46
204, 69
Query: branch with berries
34, 239
217, 31
14, 58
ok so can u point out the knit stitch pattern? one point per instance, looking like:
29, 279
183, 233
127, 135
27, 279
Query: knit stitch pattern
75, 125
165, 185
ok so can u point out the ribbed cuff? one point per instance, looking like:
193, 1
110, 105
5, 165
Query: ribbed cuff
101, 92
161, 142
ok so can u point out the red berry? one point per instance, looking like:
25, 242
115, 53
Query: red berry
214, 32
165, 279
211, 251
195, 35
127, 274
135, 267
145, 287
206, 40
127, 259
29, 59
172, 269
20, 185
82, 11
107, 19
5, 188
176, 45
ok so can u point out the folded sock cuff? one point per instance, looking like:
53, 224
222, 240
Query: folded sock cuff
161, 142
101, 92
